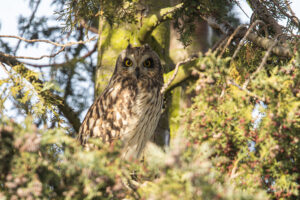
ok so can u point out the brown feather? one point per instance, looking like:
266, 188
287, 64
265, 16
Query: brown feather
130, 106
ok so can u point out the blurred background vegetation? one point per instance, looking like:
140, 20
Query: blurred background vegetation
208, 144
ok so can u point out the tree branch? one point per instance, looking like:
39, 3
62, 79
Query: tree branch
263, 62
245, 36
155, 20
231, 82
184, 71
63, 46
171, 79
57, 100
36, 58
264, 14
64, 63
292, 17
262, 42
48, 41
266, 43
239, 5
86, 26
231, 37
27, 25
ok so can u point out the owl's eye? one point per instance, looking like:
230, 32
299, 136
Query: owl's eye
127, 62
148, 63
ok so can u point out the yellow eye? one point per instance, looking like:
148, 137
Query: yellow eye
148, 63
127, 62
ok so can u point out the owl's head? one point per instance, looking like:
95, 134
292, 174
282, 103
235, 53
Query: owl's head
140, 63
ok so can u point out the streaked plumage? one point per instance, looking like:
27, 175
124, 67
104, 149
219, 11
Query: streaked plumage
130, 106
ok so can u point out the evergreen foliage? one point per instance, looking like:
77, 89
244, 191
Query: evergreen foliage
218, 149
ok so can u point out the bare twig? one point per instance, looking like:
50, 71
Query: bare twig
86, 26
155, 20
220, 43
263, 62
27, 25
225, 29
4, 68
48, 41
36, 58
223, 89
293, 16
63, 46
163, 89
232, 82
263, 13
245, 36
263, 42
231, 37
239, 5
64, 63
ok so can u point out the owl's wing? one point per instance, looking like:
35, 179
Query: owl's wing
87, 127
108, 114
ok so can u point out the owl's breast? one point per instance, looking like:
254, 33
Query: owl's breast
128, 110
145, 114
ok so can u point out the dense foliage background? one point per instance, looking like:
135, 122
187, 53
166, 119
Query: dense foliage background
226, 71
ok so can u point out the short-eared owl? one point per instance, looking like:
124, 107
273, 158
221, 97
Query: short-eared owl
130, 106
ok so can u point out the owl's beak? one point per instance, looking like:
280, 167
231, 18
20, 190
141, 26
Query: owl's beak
137, 72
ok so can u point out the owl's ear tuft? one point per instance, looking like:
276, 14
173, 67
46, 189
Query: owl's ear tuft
146, 46
129, 46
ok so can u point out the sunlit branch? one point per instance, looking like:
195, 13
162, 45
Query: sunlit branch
36, 58
155, 20
48, 41
64, 63
175, 73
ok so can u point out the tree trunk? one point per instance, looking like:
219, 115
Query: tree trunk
164, 40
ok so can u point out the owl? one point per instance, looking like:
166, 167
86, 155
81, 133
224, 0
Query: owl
130, 106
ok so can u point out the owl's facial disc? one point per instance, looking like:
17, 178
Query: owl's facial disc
139, 62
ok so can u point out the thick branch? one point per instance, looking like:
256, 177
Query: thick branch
172, 78
267, 43
58, 101
155, 20
183, 73
262, 42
